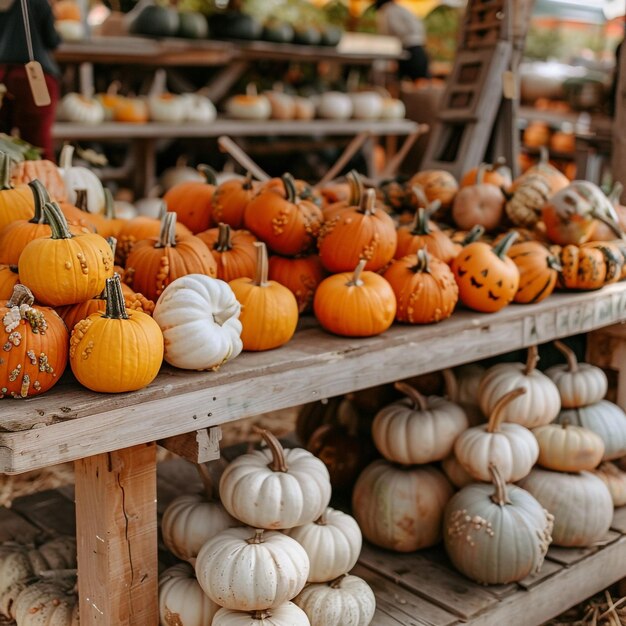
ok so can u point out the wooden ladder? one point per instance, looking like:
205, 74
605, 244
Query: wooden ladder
471, 112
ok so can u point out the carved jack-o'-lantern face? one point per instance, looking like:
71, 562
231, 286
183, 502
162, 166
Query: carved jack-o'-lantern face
487, 278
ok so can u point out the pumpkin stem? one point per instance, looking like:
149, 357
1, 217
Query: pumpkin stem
544, 156
258, 536
5, 172
483, 168
336, 584
112, 241
290, 188
356, 187
368, 202
422, 265
109, 204
554, 263
260, 275
473, 235
502, 247
569, 354
21, 295
116, 307
495, 419
67, 154
420, 223
420, 196
206, 479
162, 210
81, 200
247, 181
167, 234
531, 360
419, 401
321, 520
251, 89
41, 196
500, 495
56, 219
208, 172
451, 384
261, 615
356, 281
224, 241
278, 453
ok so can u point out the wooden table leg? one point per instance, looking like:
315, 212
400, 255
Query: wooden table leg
116, 533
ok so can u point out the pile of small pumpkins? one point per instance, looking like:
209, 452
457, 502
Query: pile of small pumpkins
204, 263
296, 551
536, 458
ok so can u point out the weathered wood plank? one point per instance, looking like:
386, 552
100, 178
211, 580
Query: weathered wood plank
49, 510
619, 520
199, 446
14, 527
549, 568
116, 527
568, 556
401, 604
313, 365
558, 592
437, 584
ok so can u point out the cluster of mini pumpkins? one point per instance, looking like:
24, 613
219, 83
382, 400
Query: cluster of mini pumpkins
535, 457
273, 524
38, 585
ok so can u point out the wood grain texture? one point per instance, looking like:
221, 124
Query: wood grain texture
200, 446
49, 510
116, 525
70, 422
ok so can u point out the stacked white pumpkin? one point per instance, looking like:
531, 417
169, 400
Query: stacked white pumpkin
588, 430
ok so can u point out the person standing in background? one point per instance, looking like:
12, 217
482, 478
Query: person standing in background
393, 19
18, 108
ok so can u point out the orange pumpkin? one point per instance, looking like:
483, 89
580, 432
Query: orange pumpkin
355, 304
156, 262
583, 268
613, 252
335, 192
354, 198
481, 203
563, 141
230, 200
602, 231
8, 279
77, 214
424, 235
538, 270
66, 10
301, 275
497, 174
192, 201
424, 286
107, 225
131, 111
488, 279
536, 134
46, 172
543, 167
280, 217
437, 185
233, 251
16, 203
358, 232
34, 346
269, 311
75, 313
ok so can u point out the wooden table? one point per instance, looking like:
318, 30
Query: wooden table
111, 437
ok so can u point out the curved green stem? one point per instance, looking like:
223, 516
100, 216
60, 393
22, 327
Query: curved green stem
505, 243
40, 194
356, 188
420, 223
208, 172
109, 204
56, 219
167, 234
5, 172
473, 235
224, 238
290, 188
116, 308
422, 264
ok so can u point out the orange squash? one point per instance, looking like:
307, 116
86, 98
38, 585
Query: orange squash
301, 275
34, 343
424, 235
231, 199
481, 203
156, 262
355, 304
536, 134
281, 218
46, 172
437, 185
193, 201
543, 167
233, 251
16, 203
487, 278
269, 311
538, 269
587, 267
496, 173
131, 111
425, 289
563, 141
358, 232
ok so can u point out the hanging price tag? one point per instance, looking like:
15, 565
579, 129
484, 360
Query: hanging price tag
37, 83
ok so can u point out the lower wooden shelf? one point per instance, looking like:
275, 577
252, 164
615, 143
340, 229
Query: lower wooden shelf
417, 589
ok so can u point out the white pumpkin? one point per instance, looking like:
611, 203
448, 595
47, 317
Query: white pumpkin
455, 472
333, 543
190, 521
615, 479
181, 599
287, 614
249, 106
75, 107
347, 601
150, 207
46, 603
167, 108
70, 30
567, 448
606, 420
283, 105
180, 173
199, 317
124, 210
200, 109
417, 430
579, 384
512, 448
581, 504
393, 109
247, 570
335, 105
366, 105
81, 178
400, 508
538, 406
304, 108
275, 488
